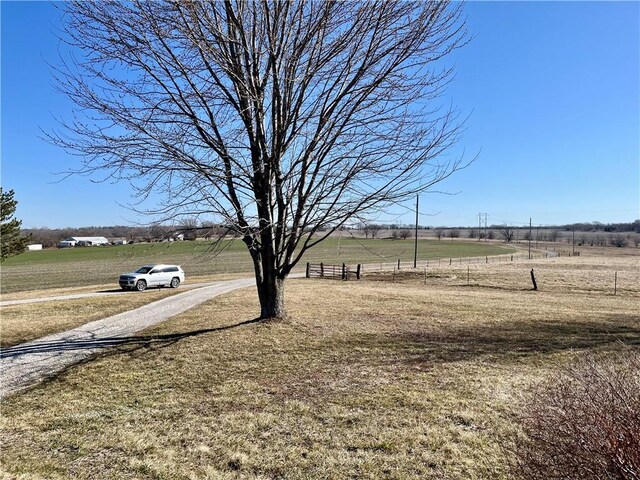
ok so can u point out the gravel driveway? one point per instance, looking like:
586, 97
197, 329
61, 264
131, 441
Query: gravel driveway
29, 363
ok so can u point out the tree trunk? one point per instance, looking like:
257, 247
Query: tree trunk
271, 294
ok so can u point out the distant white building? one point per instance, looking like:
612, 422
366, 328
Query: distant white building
82, 242
34, 246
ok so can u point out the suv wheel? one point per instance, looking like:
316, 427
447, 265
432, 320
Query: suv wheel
175, 281
141, 285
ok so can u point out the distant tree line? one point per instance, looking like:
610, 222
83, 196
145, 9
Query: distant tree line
190, 229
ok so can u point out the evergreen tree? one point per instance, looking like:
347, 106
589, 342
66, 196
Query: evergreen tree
10, 240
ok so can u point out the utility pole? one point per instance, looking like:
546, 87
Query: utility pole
415, 249
529, 238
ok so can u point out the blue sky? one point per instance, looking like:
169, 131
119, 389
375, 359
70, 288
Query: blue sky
552, 90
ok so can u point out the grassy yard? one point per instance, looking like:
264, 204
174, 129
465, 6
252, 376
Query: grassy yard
101, 265
369, 379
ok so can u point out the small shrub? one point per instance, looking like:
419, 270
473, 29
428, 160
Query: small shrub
618, 241
584, 424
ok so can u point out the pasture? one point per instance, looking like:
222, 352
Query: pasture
382, 378
88, 266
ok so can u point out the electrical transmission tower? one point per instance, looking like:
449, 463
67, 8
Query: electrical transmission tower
482, 224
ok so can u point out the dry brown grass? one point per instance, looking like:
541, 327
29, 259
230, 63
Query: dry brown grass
584, 274
22, 323
365, 380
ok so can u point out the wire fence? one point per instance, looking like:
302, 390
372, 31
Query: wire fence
444, 262
543, 271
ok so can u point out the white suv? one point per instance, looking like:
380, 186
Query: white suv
152, 276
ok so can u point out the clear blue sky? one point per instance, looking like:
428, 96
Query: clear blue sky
552, 89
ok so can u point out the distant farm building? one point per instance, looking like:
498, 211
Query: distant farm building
82, 242
34, 246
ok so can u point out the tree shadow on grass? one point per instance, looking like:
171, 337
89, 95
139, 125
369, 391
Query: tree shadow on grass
517, 340
96, 343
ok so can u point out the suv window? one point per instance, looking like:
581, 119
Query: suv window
170, 269
144, 270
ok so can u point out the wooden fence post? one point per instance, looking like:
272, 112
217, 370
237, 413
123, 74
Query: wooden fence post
321, 269
615, 283
533, 279
358, 272
398, 264
308, 267
344, 272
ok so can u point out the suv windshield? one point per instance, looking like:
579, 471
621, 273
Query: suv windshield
144, 270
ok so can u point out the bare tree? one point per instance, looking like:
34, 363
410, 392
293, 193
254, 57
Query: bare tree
617, 241
554, 235
364, 229
370, 229
453, 233
189, 228
284, 119
582, 240
404, 233
158, 233
507, 232
374, 229
439, 232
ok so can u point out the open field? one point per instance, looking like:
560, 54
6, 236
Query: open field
366, 379
79, 267
586, 274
